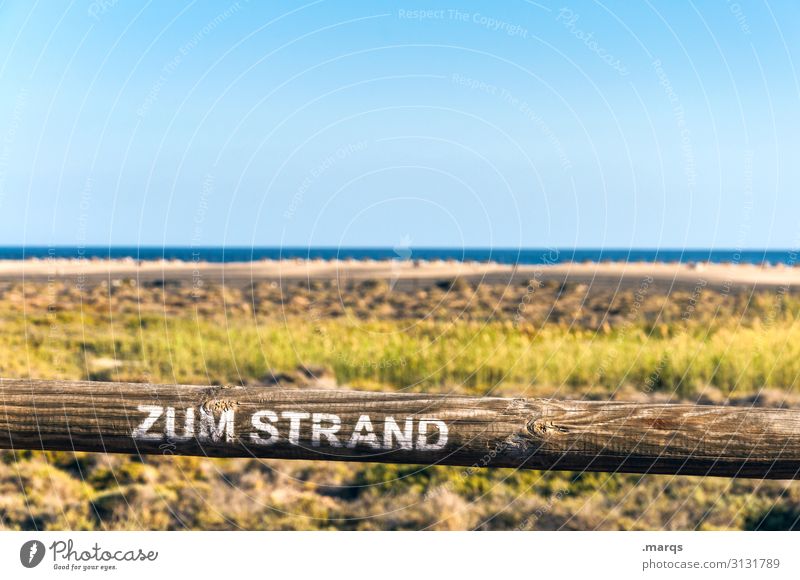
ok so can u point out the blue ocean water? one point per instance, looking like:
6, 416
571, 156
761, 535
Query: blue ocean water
500, 255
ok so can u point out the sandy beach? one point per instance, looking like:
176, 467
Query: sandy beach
622, 274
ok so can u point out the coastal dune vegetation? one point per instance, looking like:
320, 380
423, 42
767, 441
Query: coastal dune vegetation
533, 339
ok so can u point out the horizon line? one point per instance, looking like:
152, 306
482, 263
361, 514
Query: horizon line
381, 247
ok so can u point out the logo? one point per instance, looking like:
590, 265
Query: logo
31, 553
403, 252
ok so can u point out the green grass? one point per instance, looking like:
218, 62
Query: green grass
731, 343
470, 356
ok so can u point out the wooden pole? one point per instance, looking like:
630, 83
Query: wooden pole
348, 425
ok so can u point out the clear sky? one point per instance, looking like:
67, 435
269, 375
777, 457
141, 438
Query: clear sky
617, 124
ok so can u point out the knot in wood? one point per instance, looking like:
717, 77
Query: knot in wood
544, 428
214, 403
219, 405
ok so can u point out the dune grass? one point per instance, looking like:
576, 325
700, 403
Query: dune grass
472, 357
734, 345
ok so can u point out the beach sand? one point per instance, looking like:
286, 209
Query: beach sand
737, 277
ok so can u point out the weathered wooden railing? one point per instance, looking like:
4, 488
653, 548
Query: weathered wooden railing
348, 425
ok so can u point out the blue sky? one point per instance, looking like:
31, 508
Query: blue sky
514, 124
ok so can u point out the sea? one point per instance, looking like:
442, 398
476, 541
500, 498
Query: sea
532, 256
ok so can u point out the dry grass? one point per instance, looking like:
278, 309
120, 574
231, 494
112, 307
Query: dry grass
569, 341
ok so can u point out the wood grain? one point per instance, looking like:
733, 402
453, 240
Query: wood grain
422, 429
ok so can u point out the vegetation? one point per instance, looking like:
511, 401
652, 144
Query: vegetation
531, 340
